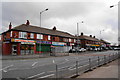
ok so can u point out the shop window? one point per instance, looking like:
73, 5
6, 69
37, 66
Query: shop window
39, 36
48, 37
31, 35
23, 35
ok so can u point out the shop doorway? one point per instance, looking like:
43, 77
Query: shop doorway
14, 49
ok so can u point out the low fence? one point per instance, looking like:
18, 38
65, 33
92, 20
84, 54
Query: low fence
74, 68
88, 65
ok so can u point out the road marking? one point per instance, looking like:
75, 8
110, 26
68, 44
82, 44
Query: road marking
53, 61
47, 76
66, 59
72, 69
34, 63
36, 75
6, 68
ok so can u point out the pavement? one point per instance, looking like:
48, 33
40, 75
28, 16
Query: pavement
42, 55
109, 70
32, 56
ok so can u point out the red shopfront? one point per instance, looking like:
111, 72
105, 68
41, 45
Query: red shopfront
22, 47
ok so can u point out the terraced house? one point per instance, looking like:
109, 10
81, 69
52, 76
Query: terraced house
89, 41
27, 39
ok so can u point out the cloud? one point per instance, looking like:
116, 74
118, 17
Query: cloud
65, 16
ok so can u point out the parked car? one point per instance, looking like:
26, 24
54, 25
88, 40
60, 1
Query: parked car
72, 50
116, 48
95, 49
82, 50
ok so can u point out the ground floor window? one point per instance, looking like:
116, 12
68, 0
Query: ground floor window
27, 49
43, 48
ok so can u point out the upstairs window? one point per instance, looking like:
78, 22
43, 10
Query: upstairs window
32, 35
23, 35
53, 38
39, 36
49, 37
74, 40
11, 33
70, 40
66, 40
61, 39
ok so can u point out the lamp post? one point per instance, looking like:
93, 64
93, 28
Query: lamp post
40, 26
100, 38
113, 5
78, 33
40, 15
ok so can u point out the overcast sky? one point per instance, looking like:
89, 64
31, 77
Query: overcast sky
65, 14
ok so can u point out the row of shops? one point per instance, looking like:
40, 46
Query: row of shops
24, 47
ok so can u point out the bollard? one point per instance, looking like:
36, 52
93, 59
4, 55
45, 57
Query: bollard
76, 67
104, 59
113, 57
56, 71
116, 56
90, 64
109, 58
98, 60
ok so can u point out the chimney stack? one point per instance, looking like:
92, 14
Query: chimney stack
93, 36
90, 35
81, 33
27, 23
10, 26
54, 28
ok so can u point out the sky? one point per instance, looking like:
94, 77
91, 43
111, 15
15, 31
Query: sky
97, 16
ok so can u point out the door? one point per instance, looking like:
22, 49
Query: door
14, 49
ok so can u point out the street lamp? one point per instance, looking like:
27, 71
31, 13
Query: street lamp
100, 38
78, 27
78, 32
113, 5
41, 13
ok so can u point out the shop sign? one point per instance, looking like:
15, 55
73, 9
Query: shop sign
92, 45
88, 44
58, 43
20, 40
27, 43
43, 42
95, 45
7, 42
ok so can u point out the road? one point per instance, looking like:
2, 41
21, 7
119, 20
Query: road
46, 67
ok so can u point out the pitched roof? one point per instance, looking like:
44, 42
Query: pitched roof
104, 41
88, 38
42, 30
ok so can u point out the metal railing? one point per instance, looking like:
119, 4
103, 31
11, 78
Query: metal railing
77, 67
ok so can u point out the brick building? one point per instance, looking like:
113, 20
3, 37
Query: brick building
28, 39
89, 41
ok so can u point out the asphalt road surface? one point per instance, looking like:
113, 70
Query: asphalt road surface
46, 67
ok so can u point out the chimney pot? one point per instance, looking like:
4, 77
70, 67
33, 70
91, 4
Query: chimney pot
27, 23
10, 26
54, 28
90, 35
93, 36
81, 33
